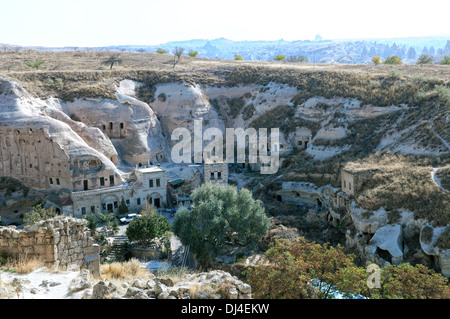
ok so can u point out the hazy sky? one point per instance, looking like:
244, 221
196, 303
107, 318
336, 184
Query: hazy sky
149, 22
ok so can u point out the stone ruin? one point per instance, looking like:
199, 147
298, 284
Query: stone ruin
62, 242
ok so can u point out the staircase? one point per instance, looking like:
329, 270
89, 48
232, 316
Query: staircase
119, 248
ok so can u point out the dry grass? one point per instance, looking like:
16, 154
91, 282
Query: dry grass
23, 264
124, 271
404, 182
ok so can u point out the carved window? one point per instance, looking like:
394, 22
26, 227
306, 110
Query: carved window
51, 181
138, 202
150, 183
158, 182
219, 175
57, 181
102, 181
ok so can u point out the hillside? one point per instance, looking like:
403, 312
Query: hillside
392, 120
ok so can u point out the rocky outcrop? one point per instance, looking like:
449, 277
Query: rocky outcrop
207, 285
387, 238
429, 242
130, 124
41, 151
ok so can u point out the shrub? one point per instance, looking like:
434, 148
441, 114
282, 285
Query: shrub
376, 60
193, 54
161, 51
393, 60
35, 64
279, 57
445, 60
146, 228
238, 57
425, 59
37, 214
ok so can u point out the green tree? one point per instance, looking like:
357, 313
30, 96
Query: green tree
161, 51
35, 64
425, 59
145, 228
376, 60
115, 225
393, 60
218, 214
92, 222
445, 60
193, 54
238, 57
38, 213
279, 57
123, 208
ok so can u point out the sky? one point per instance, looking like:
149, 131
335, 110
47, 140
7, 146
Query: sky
148, 22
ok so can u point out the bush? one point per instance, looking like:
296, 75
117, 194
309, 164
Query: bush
161, 51
445, 61
238, 57
37, 214
393, 60
145, 228
425, 59
193, 54
35, 64
279, 57
376, 60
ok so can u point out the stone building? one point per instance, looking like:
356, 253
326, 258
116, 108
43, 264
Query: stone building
215, 173
149, 186
352, 179
301, 137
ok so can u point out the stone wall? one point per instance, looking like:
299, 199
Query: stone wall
61, 241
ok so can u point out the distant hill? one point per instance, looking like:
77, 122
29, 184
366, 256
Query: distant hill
349, 51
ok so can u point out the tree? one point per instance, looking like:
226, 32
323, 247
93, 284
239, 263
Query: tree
145, 228
305, 270
113, 59
299, 58
238, 57
161, 51
302, 269
219, 214
38, 213
425, 59
445, 61
410, 282
279, 57
193, 54
35, 64
376, 60
123, 208
92, 222
177, 54
393, 60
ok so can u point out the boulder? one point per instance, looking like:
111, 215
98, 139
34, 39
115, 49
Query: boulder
390, 239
